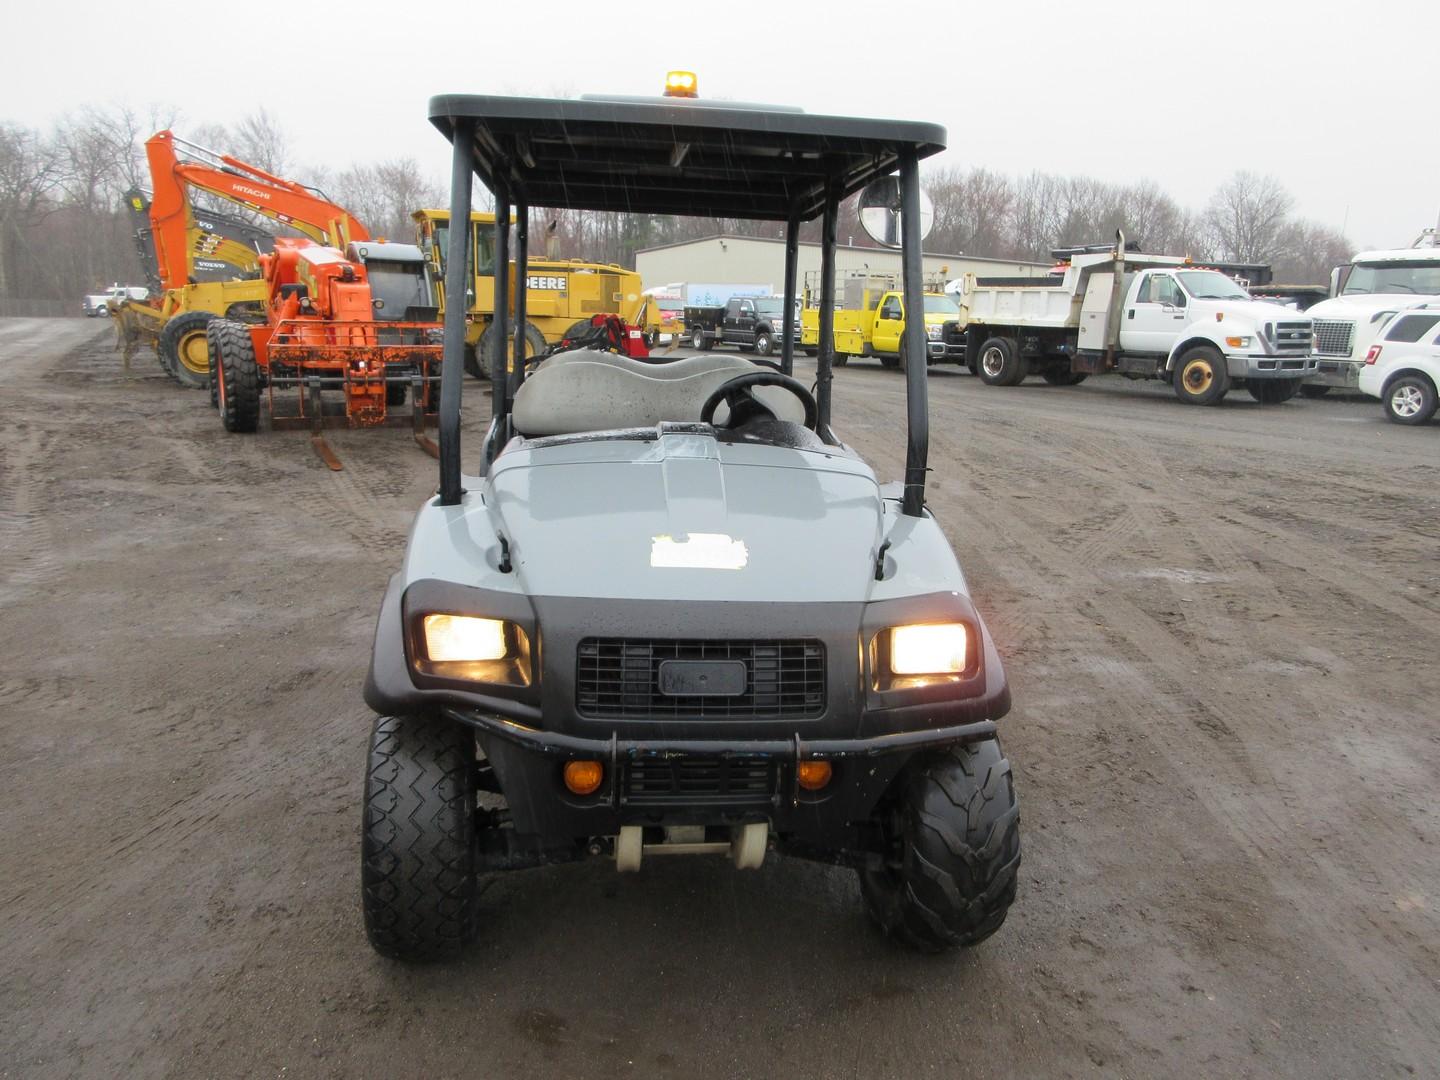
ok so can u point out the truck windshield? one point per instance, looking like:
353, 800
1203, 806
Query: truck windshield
400, 284
941, 305
1417, 276
1211, 285
769, 307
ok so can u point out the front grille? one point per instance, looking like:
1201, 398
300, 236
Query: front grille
1333, 337
620, 677
695, 781
1293, 337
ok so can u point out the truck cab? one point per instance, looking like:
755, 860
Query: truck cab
875, 326
1366, 294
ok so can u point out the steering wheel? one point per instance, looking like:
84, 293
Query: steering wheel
743, 405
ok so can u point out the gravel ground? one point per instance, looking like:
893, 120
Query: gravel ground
1221, 628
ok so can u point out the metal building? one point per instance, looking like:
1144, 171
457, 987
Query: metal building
760, 261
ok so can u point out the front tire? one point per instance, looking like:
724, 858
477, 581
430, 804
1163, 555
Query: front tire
1056, 376
764, 343
1272, 391
238, 397
1200, 376
697, 339
1000, 363
954, 832
185, 350
1410, 400
418, 868
489, 343
212, 350
1314, 390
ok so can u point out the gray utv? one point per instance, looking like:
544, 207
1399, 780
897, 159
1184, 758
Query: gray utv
671, 612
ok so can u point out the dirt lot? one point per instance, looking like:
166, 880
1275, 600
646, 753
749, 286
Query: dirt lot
1221, 628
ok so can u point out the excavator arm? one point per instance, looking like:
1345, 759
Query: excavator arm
178, 167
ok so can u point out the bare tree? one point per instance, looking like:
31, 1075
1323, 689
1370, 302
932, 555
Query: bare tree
259, 140
1247, 215
29, 173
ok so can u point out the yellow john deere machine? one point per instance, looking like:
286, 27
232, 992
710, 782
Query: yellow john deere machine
559, 292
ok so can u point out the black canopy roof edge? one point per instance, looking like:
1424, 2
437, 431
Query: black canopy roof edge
742, 162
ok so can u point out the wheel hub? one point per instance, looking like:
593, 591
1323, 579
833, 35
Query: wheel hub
1198, 376
993, 362
195, 354
1406, 401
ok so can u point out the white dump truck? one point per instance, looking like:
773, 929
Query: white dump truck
1143, 316
1365, 295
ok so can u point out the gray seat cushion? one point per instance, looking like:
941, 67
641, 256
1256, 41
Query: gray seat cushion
586, 390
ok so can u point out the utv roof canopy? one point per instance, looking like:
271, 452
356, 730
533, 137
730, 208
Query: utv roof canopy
672, 156
676, 156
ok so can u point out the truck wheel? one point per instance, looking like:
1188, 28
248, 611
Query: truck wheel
418, 872
535, 344
839, 359
472, 363
212, 354
810, 350
1200, 376
764, 343
1063, 376
890, 361
184, 350
1410, 399
1272, 391
954, 834
1001, 363
1314, 390
697, 339
238, 393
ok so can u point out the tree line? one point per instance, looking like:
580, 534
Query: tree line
65, 229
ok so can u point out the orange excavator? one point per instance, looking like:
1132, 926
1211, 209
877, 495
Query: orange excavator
361, 321
176, 316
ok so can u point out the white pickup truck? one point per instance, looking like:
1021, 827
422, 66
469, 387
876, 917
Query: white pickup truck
1366, 294
1143, 316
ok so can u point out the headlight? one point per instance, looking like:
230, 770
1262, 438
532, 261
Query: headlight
450, 638
470, 648
934, 649
933, 332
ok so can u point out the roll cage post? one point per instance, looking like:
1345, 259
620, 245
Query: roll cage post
917, 394
452, 364
826, 344
792, 261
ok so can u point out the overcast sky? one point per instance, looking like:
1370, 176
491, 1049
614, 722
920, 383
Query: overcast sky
1336, 100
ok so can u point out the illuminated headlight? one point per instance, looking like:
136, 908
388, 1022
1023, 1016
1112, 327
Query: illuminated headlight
933, 332
450, 638
934, 649
473, 649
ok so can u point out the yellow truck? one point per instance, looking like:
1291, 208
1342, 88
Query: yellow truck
559, 292
870, 319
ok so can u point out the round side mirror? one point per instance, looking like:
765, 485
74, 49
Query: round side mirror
879, 210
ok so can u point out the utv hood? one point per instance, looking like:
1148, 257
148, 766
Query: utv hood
686, 517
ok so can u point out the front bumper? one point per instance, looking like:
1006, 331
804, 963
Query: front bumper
1261, 366
528, 733
1342, 374
940, 350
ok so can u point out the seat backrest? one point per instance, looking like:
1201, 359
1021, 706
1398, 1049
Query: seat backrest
584, 390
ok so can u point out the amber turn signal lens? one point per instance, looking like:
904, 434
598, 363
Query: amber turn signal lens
814, 775
583, 777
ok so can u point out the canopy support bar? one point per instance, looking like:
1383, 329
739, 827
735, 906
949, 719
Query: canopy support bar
823, 368
917, 405
792, 262
457, 261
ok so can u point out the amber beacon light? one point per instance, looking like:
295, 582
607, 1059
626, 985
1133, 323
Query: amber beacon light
681, 84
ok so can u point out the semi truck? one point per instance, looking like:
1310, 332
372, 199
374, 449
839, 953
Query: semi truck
1142, 316
870, 321
1365, 295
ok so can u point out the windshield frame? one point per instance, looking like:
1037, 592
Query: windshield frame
950, 306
